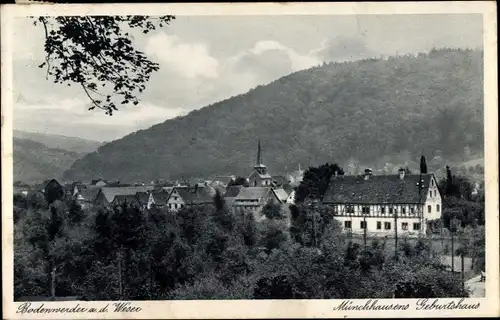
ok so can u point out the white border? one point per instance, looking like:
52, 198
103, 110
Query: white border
261, 308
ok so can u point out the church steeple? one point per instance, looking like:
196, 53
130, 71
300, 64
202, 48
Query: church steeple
259, 166
259, 154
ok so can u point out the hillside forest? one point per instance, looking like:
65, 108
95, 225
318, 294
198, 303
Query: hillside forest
374, 112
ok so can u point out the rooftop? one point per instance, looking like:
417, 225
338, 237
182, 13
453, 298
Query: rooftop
378, 189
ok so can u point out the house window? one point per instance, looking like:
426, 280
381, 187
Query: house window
391, 210
404, 225
170, 206
379, 225
365, 210
362, 224
429, 209
387, 225
382, 210
349, 209
175, 205
182, 206
416, 226
347, 224
432, 182
412, 210
335, 209
437, 208
175, 198
403, 211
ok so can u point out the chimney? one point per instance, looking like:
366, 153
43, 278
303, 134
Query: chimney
401, 173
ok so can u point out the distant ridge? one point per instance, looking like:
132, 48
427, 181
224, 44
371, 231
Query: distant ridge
365, 111
73, 144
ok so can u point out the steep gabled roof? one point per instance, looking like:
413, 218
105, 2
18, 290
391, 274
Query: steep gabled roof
111, 192
161, 198
129, 198
142, 197
89, 194
378, 189
199, 196
252, 193
45, 183
281, 194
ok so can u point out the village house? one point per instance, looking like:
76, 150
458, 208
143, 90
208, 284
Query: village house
281, 194
52, 190
86, 197
145, 199
291, 197
106, 195
253, 199
160, 198
195, 196
175, 201
122, 199
381, 203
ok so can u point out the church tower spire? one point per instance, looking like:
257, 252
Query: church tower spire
259, 154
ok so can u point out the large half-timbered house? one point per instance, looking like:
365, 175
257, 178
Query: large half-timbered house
382, 203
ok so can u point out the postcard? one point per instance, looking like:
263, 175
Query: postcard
291, 160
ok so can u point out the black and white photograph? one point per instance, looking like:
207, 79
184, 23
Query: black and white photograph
250, 157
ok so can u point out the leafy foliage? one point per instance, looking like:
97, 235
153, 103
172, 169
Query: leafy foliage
315, 182
366, 111
459, 202
210, 253
97, 54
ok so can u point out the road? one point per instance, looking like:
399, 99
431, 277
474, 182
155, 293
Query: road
476, 287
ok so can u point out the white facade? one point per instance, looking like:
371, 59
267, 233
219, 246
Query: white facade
433, 203
175, 201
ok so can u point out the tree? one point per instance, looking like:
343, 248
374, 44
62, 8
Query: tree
219, 201
249, 232
97, 54
315, 181
423, 165
272, 211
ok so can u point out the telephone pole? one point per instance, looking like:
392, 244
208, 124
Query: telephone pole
453, 227
396, 233
364, 229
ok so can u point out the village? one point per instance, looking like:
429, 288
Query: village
366, 203
368, 206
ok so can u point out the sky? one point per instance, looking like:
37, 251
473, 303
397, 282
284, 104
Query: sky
205, 59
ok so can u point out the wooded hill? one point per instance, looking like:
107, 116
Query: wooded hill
360, 111
34, 162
